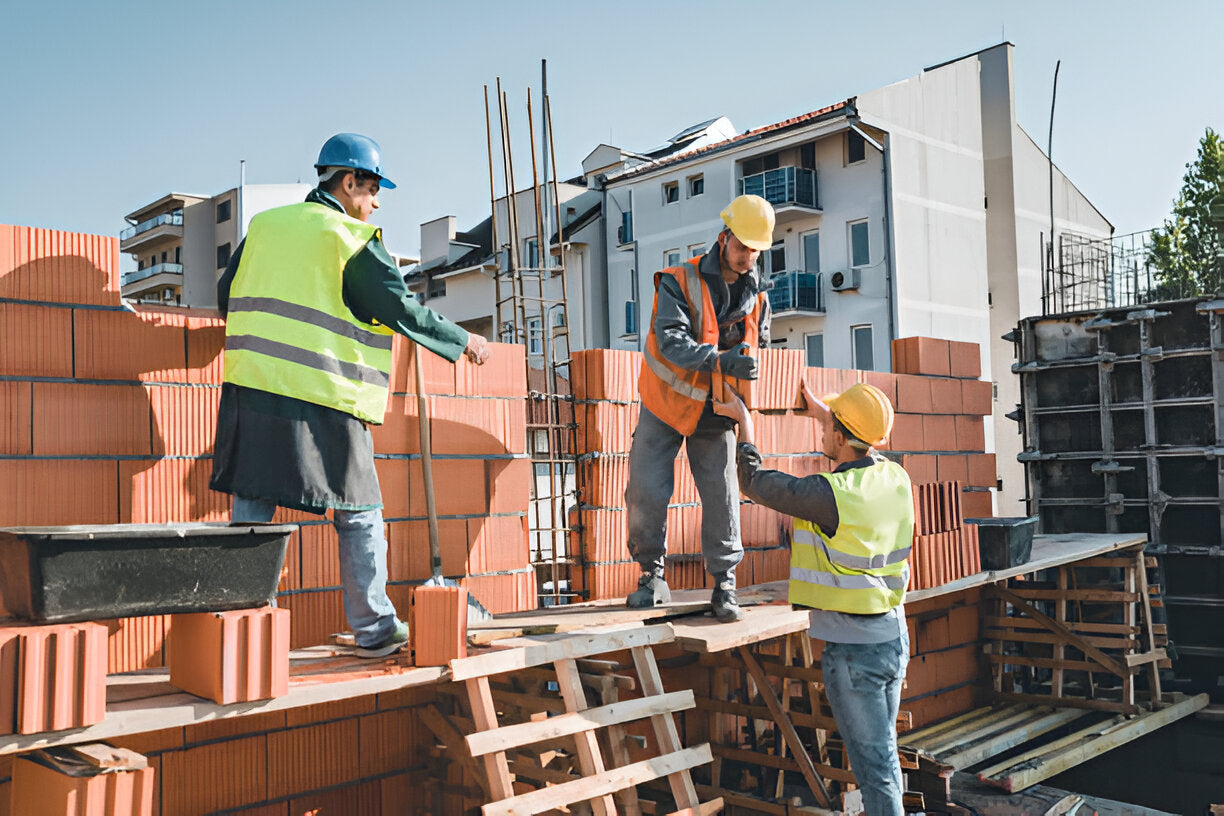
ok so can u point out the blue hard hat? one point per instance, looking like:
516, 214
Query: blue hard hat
356, 151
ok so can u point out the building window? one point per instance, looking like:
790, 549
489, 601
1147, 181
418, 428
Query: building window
671, 192
435, 288
856, 148
223, 256
696, 249
631, 321
759, 164
814, 345
773, 261
178, 254
860, 247
223, 211
624, 233
807, 156
861, 347
531, 253
163, 260
811, 252
696, 185
535, 336
671, 258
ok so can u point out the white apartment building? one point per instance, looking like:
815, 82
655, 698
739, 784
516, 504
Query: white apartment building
914, 209
181, 243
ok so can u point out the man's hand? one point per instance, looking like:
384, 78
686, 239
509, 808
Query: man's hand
812, 407
738, 363
732, 406
477, 349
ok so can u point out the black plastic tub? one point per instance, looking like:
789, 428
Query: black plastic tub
62, 574
1004, 542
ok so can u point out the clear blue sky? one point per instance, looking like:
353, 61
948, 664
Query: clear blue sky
109, 105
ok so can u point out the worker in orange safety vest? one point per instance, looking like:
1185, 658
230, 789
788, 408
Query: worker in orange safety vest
709, 319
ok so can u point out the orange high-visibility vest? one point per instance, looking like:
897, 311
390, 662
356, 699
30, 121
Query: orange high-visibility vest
677, 395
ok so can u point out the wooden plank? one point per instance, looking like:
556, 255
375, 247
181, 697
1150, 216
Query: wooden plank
1073, 702
1073, 639
484, 715
1017, 622
1019, 775
108, 757
1012, 737
961, 737
522, 653
1086, 595
664, 726
1045, 636
519, 735
1048, 551
1152, 657
1146, 609
760, 712
815, 783
590, 760
709, 808
915, 738
758, 623
450, 737
618, 751
605, 784
1042, 662
783, 763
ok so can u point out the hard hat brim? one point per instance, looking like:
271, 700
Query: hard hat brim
759, 246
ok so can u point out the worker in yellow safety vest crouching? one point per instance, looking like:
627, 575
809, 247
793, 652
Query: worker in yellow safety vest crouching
311, 299
853, 529
709, 318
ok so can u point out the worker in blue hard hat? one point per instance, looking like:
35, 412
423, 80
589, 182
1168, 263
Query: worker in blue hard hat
312, 299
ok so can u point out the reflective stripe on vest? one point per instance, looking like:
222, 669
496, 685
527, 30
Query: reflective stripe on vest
288, 330
863, 568
676, 395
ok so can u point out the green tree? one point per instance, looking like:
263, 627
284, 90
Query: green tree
1185, 251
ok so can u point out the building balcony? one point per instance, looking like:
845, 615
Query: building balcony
166, 225
796, 292
793, 191
172, 272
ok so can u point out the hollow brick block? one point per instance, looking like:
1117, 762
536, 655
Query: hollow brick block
439, 624
53, 677
231, 657
41, 788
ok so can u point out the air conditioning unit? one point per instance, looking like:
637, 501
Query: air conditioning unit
845, 281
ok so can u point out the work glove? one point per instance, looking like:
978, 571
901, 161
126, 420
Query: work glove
738, 363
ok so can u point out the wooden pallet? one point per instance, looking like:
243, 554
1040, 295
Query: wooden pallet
1076, 629
603, 776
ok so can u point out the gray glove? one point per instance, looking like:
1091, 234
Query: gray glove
737, 362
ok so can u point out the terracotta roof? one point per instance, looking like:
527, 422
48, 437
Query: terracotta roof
785, 124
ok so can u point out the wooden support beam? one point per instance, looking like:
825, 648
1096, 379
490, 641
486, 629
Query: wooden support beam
1109, 664
1072, 702
607, 783
537, 651
664, 726
714, 806
519, 735
589, 758
760, 712
1004, 740
1146, 609
484, 717
1090, 595
783, 763
450, 737
815, 783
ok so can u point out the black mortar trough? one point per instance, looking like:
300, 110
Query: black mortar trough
91, 572
1004, 542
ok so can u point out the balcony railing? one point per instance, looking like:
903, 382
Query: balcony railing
796, 291
174, 219
150, 271
782, 186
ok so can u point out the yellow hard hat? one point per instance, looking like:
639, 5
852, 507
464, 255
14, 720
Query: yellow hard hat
751, 220
864, 410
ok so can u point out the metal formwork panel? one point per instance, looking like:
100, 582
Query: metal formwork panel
1123, 425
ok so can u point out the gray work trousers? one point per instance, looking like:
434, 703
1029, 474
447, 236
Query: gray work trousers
711, 458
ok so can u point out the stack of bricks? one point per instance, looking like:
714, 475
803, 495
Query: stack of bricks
945, 548
109, 416
945, 657
938, 436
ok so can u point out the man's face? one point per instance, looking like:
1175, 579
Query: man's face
735, 256
360, 198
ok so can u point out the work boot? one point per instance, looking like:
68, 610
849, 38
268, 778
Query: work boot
392, 643
652, 591
723, 603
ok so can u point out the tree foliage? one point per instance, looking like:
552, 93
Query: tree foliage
1185, 250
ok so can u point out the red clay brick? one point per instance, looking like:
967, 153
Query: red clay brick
231, 657
315, 617
61, 676
509, 485
319, 559
977, 397
205, 348
976, 504
939, 433
59, 267
77, 419
317, 756
216, 776
964, 359
168, 490
952, 467
983, 471
945, 396
922, 355
907, 433
184, 419
970, 434
135, 643
119, 345
504, 374
439, 624
35, 341
15, 407
35, 495
498, 543
39, 790
913, 394
920, 467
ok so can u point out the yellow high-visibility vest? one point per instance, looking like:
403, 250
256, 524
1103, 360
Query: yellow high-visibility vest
863, 569
288, 330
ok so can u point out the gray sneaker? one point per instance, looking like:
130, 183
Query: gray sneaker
391, 644
652, 591
723, 603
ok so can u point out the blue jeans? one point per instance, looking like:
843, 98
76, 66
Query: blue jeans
363, 566
863, 684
